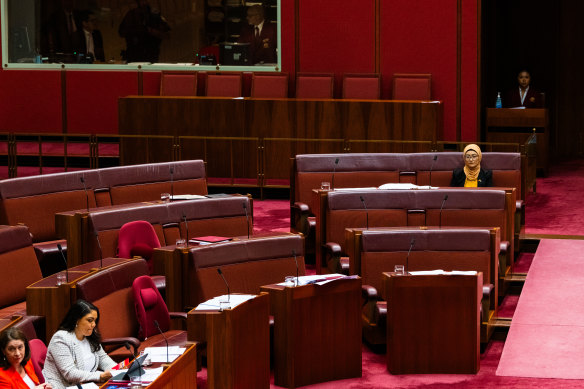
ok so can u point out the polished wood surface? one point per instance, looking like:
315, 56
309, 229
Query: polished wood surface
180, 374
46, 298
317, 332
286, 122
433, 323
516, 126
238, 343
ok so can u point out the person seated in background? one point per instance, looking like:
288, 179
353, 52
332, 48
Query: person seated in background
261, 35
16, 370
472, 175
88, 39
524, 95
75, 354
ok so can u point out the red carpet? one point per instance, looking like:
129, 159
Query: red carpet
546, 338
556, 208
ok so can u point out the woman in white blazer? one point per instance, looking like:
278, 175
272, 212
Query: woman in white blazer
75, 354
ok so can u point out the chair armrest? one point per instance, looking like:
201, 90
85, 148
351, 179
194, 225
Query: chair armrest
134, 342
519, 204
178, 315
299, 213
369, 292
504, 247
332, 257
486, 302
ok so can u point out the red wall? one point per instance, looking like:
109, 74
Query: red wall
415, 36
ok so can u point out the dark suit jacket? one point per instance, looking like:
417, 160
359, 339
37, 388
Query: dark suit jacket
97, 44
513, 99
262, 49
485, 178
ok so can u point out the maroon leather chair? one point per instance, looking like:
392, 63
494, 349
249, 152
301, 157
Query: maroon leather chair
314, 85
178, 84
412, 86
138, 238
223, 85
269, 85
361, 86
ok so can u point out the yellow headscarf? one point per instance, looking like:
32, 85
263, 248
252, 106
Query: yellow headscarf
472, 174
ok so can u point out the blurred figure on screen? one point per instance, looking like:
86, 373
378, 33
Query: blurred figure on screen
89, 39
143, 28
472, 175
261, 35
524, 95
62, 28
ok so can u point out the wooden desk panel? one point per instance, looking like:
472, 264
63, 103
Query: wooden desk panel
433, 323
317, 332
317, 119
238, 344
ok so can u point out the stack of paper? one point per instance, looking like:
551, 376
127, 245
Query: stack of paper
234, 301
158, 354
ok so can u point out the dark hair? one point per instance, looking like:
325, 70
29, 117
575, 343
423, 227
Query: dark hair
6, 336
77, 311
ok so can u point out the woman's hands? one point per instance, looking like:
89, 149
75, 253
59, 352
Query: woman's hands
106, 375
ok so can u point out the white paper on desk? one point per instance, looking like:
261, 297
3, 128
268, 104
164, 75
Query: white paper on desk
442, 272
87, 385
158, 354
152, 374
187, 197
318, 279
234, 301
404, 186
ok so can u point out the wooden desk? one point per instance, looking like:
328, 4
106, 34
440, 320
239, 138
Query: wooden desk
238, 343
46, 298
433, 323
317, 332
283, 121
516, 125
181, 374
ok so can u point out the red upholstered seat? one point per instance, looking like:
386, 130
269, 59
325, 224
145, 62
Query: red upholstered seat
412, 87
138, 238
178, 84
149, 307
38, 354
314, 85
269, 85
361, 86
223, 85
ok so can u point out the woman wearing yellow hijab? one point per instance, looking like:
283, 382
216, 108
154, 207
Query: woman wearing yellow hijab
472, 175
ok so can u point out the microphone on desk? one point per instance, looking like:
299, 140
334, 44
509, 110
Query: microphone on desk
226, 284
64, 260
136, 359
296, 262
171, 182
334, 170
431, 167
85, 190
408, 256
442, 206
99, 248
366, 211
184, 218
246, 218
166, 340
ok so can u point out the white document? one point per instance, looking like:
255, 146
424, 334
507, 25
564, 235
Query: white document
187, 197
317, 279
158, 354
405, 186
442, 272
152, 374
234, 301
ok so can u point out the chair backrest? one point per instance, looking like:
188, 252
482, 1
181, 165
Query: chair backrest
149, 307
111, 291
412, 86
19, 264
178, 84
314, 85
223, 85
38, 354
136, 237
361, 86
273, 86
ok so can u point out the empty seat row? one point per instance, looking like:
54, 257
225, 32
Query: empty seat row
308, 85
